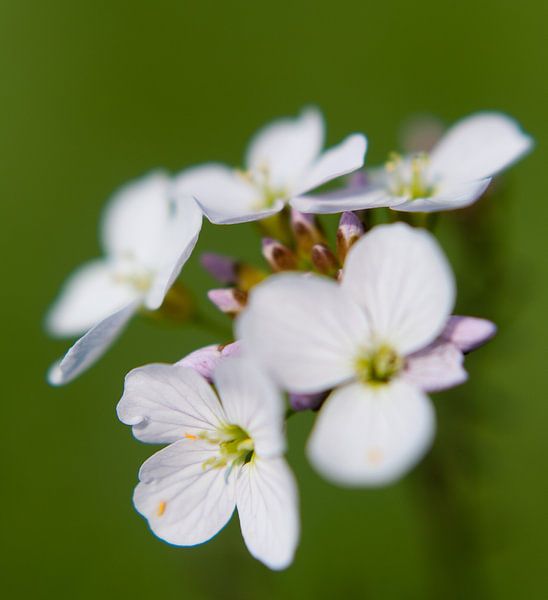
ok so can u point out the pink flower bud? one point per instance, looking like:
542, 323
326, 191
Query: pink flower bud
324, 260
279, 257
228, 300
349, 232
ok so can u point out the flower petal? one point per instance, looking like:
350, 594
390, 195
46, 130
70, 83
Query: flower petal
479, 147
178, 240
90, 347
371, 435
134, 221
184, 503
346, 157
91, 294
268, 508
252, 401
287, 148
468, 333
437, 367
345, 200
224, 194
166, 403
304, 329
402, 280
450, 195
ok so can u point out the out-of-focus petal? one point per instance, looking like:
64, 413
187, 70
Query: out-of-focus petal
479, 147
371, 435
91, 346
468, 333
437, 367
403, 282
91, 294
304, 329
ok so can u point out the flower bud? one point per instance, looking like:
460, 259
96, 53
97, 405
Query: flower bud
228, 300
279, 257
324, 260
349, 232
299, 402
222, 268
306, 231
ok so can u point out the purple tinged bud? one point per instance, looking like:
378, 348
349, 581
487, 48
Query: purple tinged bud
305, 230
228, 300
222, 268
324, 260
278, 256
357, 180
299, 402
205, 360
349, 232
468, 333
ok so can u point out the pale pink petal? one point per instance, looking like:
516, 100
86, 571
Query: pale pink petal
437, 367
468, 333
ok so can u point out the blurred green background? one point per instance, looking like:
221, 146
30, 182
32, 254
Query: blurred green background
96, 93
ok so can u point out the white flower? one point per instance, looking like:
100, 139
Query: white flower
225, 452
395, 298
147, 237
454, 174
284, 161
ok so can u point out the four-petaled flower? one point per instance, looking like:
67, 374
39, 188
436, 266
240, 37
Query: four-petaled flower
283, 163
147, 237
362, 337
225, 452
454, 174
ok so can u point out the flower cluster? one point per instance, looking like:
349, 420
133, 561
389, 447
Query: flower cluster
359, 331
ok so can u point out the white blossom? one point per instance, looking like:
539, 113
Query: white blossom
146, 237
224, 452
283, 163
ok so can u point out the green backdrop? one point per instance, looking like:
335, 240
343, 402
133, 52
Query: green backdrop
96, 93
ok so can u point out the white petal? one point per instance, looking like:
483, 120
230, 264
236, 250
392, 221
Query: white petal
91, 294
90, 347
371, 435
437, 367
478, 147
345, 200
287, 147
304, 330
166, 403
179, 238
185, 504
224, 194
252, 401
401, 278
468, 333
346, 157
268, 508
449, 196
134, 221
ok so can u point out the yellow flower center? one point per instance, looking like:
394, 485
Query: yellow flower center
378, 366
409, 177
235, 447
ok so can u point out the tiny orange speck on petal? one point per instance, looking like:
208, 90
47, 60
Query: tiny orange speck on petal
161, 509
374, 456
190, 436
